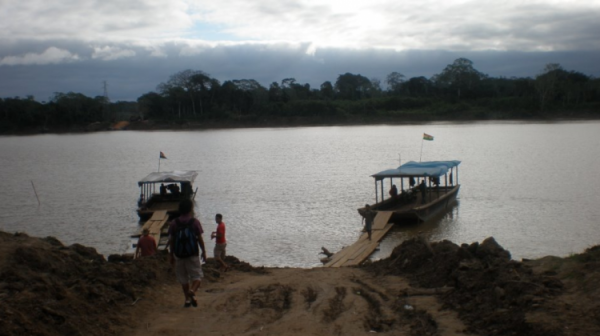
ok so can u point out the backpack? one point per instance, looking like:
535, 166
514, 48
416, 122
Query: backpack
185, 240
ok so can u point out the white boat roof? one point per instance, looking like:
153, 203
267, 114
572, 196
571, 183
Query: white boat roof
418, 169
170, 176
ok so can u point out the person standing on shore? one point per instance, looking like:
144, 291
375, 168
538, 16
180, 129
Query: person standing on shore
185, 235
368, 217
146, 245
220, 243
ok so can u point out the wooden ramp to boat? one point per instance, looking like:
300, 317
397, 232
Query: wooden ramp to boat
358, 252
155, 224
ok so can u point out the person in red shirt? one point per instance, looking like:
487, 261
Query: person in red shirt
220, 243
146, 245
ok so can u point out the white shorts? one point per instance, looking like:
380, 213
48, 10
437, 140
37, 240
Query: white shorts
220, 251
188, 270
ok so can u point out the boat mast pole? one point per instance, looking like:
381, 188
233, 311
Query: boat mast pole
421, 155
376, 196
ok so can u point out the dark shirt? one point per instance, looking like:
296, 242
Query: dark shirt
369, 218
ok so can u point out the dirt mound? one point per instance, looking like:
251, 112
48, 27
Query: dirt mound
212, 273
47, 288
51, 289
491, 292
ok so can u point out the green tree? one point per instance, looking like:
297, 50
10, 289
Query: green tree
375, 89
459, 77
275, 93
352, 87
151, 105
327, 90
419, 87
394, 82
189, 81
547, 82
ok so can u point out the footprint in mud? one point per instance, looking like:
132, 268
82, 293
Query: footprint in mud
336, 305
310, 296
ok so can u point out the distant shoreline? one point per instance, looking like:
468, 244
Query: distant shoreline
150, 125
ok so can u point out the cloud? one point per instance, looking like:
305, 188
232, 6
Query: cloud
137, 44
51, 55
109, 53
130, 77
459, 25
425, 24
112, 20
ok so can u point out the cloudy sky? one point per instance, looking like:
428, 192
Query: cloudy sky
134, 45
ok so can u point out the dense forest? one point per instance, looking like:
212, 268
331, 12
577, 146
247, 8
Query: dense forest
458, 92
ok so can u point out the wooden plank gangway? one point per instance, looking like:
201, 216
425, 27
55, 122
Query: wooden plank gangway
156, 223
358, 252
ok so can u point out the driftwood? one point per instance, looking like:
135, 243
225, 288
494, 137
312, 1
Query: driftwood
326, 252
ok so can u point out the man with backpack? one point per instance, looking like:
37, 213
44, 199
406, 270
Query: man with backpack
185, 235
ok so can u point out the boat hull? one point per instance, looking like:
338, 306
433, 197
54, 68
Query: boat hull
413, 210
431, 209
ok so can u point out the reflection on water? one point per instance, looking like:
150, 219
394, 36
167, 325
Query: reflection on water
286, 192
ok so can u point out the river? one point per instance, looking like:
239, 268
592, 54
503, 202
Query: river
286, 192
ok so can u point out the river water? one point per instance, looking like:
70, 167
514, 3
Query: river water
286, 192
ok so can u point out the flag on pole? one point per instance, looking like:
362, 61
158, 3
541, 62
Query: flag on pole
162, 155
427, 137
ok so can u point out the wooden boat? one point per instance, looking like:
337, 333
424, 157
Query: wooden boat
162, 191
417, 202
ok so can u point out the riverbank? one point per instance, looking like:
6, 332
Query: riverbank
423, 288
190, 125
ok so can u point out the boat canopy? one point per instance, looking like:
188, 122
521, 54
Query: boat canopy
170, 176
418, 169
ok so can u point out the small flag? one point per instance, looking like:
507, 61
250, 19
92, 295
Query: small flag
427, 137
162, 155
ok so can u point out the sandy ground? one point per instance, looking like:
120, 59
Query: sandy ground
316, 301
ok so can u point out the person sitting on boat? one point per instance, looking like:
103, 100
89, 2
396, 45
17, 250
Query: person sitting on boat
411, 181
141, 201
163, 190
394, 191
186, 189
368, 218
174, 189
423, 190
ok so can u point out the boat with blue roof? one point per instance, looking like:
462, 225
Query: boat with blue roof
425, 189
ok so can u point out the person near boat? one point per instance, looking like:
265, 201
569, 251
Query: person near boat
394, 191
423, 190
220, 243
368, 218
146, 245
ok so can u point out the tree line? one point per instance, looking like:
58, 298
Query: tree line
459, 91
